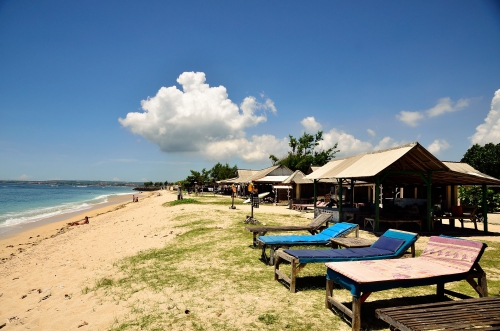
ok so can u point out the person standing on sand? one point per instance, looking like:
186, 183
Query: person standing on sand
179, 191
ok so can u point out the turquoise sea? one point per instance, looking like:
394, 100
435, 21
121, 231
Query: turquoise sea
27, 203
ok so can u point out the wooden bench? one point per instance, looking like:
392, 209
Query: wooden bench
468, 314
392, 222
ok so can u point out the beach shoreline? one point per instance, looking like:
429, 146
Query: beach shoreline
19, 237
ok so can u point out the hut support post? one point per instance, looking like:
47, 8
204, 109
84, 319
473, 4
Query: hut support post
485, 207
340, 199
315, 192
377, 203
352, 193
429, 200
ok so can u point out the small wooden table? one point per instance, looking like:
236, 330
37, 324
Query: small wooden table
473, 314
350, 242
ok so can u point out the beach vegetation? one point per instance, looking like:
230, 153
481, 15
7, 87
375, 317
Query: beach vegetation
473, 196
305, 152
208, 177
209, 272
181, 202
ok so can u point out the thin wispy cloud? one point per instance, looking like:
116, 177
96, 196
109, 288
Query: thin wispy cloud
371, 132
115, 161
410, 118
489, 131
443, 106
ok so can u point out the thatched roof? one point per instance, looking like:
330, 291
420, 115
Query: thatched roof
405, 164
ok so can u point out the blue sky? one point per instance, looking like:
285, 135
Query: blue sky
147, 90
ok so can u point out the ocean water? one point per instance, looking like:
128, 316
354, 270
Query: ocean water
27, 203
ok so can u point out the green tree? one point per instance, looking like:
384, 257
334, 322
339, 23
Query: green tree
484, 158
473, 196
305, 153
220, 171
195, 177
148, 184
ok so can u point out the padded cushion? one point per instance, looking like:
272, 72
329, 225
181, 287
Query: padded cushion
390, 244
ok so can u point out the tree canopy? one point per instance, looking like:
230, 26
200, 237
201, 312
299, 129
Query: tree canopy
216, 173
484, 158
305, 153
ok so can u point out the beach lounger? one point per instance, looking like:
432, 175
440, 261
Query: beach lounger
314, 227
322, 238
444, 260
392, 244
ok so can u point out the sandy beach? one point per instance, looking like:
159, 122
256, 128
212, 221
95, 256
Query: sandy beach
44, 270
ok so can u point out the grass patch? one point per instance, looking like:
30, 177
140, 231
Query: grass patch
181, 202
209, 278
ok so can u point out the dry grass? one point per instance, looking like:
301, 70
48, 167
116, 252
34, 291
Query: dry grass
210, 278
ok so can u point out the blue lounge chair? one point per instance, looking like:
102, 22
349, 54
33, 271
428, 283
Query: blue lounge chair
392, 244
318, 224
444, 260
322, 238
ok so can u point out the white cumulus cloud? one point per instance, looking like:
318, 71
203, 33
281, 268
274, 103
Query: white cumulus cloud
202, 119
310, 124
350, 145
489, 131
387, 142
347, 143
437, 146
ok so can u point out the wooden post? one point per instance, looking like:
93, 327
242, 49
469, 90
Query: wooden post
356, 313
485, 207
352, 193
329, 293
340, 199
429, 200
315, 193
377, 203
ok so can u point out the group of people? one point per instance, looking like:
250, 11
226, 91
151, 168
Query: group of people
135, 199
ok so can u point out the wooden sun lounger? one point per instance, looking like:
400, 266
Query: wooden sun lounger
299, 259
323, 238
467, 314
318, 224
444, 260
